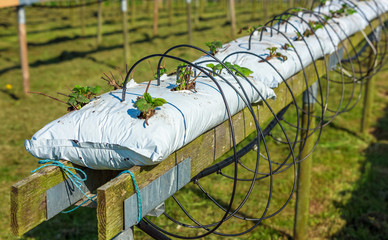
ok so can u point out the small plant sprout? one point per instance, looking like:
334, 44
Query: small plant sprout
274, 54
215, 68
236, 69
218, 68
345, 10
162, 70
286, 46
79, 96
214, 46
313, 27
111, 80
146, 105
250, 29
183, 81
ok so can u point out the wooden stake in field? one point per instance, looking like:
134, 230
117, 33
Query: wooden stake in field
232, 18
23, 49
156, 11
124, 11
189, 25
304, 167
82, 16
170, 12
99, 23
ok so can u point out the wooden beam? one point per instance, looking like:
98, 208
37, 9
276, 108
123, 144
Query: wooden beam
28, 196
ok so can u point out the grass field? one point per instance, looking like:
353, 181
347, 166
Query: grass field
349, 195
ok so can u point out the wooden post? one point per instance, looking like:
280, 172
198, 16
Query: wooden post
170, 12
99, 22
254, 9
82, 13
265, 10
291, 3
124, 11
304, 167
23, 49
232, 19
196, 12
367, 108
202, 7
189, 25
156, 11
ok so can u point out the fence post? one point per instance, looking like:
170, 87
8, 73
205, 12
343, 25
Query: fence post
99, 22
232, 18
156, 11
23, 49
125, 31
367, 108
304, 167
189, 25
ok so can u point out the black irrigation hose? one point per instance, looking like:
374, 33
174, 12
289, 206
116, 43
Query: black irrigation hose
354, 67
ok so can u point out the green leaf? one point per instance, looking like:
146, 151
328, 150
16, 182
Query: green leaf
210, 65
147, 97
159, 102
72, 102
82, 99
143, 105
95, 90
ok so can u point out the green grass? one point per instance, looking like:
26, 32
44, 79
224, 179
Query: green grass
349, 185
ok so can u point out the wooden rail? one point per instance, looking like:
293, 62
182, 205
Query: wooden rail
28, 196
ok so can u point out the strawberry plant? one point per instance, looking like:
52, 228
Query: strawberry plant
286, 46
146, 105
250, 29
162, 70
313, 27
80, 96
183, 81
243, 70
345, 10
274, 54
214, 46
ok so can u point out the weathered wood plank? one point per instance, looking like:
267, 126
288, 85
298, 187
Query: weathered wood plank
28, 196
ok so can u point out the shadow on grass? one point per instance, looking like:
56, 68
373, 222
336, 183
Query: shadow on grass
366, 213
80, 224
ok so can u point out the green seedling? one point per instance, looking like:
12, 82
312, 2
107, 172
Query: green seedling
215, 68
183, 81
146, 104
250, 29
80, 96
274, 54
345, 10
214, 46
313, 27
233, 67
286, 46
162, 70
111, 80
